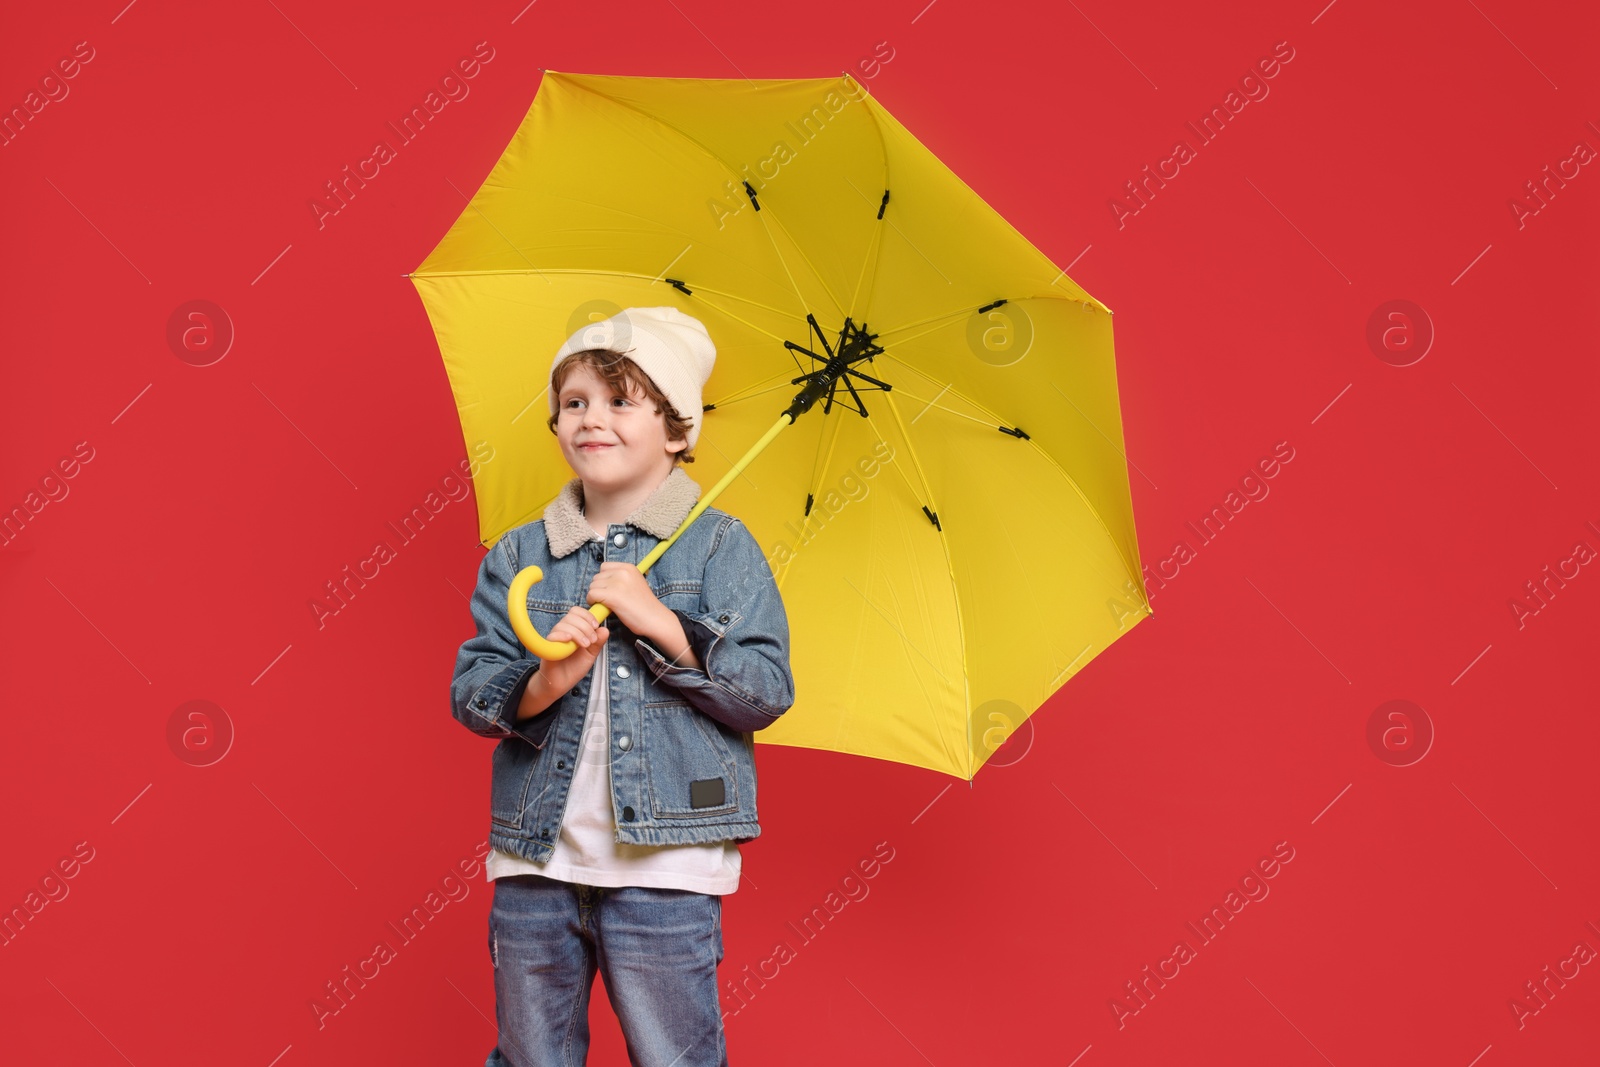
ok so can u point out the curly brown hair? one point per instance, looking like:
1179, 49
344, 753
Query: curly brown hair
620, 372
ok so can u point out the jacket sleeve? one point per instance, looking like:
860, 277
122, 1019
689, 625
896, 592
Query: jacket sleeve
492, 668
740, 635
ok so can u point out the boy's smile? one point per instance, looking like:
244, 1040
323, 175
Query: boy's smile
617, 444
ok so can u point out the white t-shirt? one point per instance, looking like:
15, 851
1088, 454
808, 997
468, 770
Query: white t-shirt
587, 851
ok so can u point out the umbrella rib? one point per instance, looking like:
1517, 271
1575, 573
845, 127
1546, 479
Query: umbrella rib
805, 519
814, 272
725, 165
1047, 457
758, 329
819, 462
620, 211
952, 315
776, 337
961, 414
924, 333
875, 253
607, 274
955, 593
736, 397
870, 257
959, 314
698, 289
928, 701
512, 244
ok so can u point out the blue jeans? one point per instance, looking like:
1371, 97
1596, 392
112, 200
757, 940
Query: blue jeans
656, 949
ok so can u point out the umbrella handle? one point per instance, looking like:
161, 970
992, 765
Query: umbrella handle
532, 639
517, 594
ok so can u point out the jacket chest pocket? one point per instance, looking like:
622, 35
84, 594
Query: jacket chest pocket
682, 594
544, 613
546, 609
675, 596
687, 761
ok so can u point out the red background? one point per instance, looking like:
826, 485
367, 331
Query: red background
1382, 566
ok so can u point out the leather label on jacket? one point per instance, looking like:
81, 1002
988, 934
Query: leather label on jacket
707, 793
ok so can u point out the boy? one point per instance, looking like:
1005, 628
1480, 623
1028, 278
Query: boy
624, 780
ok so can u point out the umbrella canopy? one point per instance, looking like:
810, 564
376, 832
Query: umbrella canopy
951, 529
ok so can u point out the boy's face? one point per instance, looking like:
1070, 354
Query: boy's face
613, 442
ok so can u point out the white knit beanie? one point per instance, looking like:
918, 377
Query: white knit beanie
674, 349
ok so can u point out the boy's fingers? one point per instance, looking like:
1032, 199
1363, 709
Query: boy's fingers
563, 632
585, 634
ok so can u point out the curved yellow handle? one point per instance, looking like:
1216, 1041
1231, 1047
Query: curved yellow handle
533, 640
517, 595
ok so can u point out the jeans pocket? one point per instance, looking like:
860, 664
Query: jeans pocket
716, 924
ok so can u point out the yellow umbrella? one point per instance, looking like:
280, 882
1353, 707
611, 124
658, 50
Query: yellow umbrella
944, 501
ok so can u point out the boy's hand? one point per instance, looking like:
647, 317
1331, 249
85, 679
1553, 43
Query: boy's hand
580, 625
620, 587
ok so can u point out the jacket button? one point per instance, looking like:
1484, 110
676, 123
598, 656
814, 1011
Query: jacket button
561, 764
722, 618
627, 814
622, 671
482, 703
545, 834
620, 540
624, 742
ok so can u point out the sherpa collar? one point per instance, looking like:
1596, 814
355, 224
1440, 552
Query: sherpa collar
660, 515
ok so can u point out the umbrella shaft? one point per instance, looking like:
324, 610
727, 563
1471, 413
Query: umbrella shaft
654, 554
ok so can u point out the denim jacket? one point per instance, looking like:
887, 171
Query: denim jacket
682, 746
